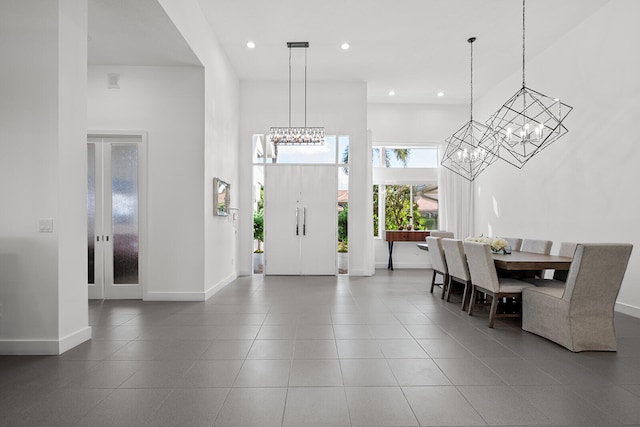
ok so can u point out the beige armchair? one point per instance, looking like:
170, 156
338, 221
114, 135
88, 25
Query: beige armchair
485, 279
438, 263
579, 316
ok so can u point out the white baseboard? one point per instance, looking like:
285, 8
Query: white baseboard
361, 273
630, 310
45, 347
190, 296
74, 339
219, 286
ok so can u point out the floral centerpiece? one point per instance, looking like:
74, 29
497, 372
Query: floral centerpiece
497, 244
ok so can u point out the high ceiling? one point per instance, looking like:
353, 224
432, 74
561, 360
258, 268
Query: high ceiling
416, 48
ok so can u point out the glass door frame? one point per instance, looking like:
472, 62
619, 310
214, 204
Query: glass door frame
139, 137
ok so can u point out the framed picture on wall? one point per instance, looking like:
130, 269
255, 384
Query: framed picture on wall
221, 197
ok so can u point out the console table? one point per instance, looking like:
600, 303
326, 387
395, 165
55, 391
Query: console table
391, 236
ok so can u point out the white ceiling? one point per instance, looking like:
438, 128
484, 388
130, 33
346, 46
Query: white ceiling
414, 47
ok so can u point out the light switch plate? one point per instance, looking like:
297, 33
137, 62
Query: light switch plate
45, 225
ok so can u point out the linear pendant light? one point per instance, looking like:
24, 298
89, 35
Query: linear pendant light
464, 155
297, 135
528, 122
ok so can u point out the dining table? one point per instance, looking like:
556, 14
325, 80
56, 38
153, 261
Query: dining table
524, 261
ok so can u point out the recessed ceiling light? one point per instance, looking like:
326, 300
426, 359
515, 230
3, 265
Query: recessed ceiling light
440, 94
251, 45
345, 46
391, 93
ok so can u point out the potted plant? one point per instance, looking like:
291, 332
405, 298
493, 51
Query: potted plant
258, 234
343, 240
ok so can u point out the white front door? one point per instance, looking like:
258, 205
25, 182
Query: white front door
114, 216
300, 220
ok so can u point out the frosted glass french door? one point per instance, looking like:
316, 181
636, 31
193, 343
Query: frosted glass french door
113, 207
300, 219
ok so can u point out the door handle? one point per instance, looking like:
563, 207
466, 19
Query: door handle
304, 221
297, 222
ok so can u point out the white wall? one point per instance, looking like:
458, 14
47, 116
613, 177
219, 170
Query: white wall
168, 104
411, 124
43, 290
221, 127
583, 188
341, 108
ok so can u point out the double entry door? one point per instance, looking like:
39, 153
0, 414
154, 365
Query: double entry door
300, 220
113, 225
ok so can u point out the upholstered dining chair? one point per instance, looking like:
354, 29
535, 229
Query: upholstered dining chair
538, 247
485, 279
438, 262
514, 242
441, 233
458, 268
579, 315
567, 249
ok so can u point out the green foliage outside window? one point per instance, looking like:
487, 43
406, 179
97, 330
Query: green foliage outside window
343, 229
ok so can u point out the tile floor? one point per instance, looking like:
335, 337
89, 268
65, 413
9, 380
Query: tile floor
305, 351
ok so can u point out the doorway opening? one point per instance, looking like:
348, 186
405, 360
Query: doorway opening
334, 154
115, 215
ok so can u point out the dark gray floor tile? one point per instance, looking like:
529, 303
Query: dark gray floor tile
467, 371
189, 408
410, 372
517, 371
316, 406
247, 407
159, 374
441, 406
263, 373
501, 405
227, 349
107, 374
613, 400
367, 372
379, 406
439, 348
125, 407
315, 373
210, 373
563, 407
93, 350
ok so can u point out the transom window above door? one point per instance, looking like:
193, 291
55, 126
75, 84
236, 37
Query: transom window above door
334, 151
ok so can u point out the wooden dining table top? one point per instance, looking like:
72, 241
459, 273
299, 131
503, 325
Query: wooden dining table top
522, 261
517, 260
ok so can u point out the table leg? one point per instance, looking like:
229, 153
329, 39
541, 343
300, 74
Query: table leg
390, 264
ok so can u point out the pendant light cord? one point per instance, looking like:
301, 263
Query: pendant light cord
289, 87
471, 40
523, 45
305, 87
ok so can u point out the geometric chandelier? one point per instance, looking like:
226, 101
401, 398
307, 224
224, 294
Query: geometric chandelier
297, 135
527, 123
464, 154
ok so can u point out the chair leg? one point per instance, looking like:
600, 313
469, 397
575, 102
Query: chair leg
472, 301
493, 311
465, 294
444, 285
449, 287
433, 280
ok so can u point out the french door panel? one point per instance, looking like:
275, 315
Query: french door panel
300, 220
282, 228
116, 232
319, 217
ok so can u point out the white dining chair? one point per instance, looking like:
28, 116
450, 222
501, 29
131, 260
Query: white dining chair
485, 279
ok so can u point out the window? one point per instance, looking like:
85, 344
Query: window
405, 191
405, 157
405, 207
